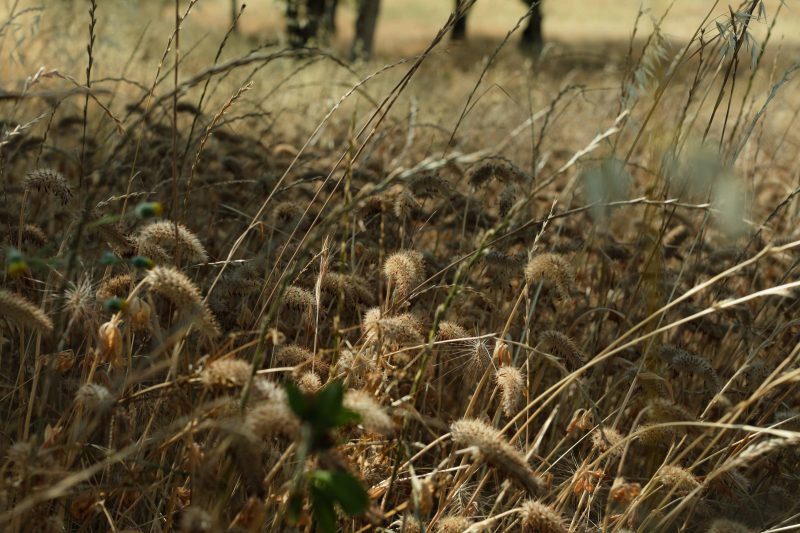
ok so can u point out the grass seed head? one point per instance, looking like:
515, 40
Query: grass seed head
373, 417
511, 384
677, 479
553, 269
453, 524
49, 181
174, 237
226, 373
404, 270
540, 518
563, 347
496, 450
22, 312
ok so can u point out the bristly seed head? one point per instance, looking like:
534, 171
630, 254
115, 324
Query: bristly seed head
552, 269
22, 312
497, 451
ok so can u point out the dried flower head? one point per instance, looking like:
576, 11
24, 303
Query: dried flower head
511, 384
496, 450
50, 181
552, 269
373, 417
139, 313
109, 343
173, 237
18, 310
624, 492
540, 518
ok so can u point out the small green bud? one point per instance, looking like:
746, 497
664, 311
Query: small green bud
115, 305
140, 261
149, 209
16, 269
108, 258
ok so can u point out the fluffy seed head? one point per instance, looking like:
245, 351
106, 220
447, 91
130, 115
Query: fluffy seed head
93, 397
78, 300
450, 331
540, 518
301, 301
50, 181
721, 525
292, 355
677, 479
20, 311
558, 344
607, 439
453, 524
511, 383
373, 417
552, 269
402, 329
174, 237
309, 382
173, 285
115, 286
272, 416
226, 373
664, 410
496, 450
404, 270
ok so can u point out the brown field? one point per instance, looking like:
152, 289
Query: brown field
253, 288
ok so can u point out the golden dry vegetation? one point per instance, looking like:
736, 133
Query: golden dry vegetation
455, 288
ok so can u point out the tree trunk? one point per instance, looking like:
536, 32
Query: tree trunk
460, 26
532, 35
365, 28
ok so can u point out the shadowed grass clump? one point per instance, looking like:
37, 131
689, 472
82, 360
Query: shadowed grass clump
251, 287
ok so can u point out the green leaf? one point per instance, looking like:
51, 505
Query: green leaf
346, 417
297, 401
329, 405
342, 488
322, 510
295, 508
350, 493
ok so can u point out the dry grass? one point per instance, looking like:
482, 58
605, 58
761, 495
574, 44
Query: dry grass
559, 291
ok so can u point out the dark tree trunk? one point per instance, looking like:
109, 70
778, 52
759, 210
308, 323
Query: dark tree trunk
532, 35
365, 28
460, 26
330, 16
304, 18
